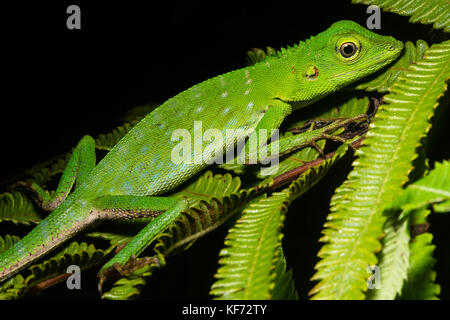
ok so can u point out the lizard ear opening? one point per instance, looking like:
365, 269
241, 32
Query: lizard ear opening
312, 72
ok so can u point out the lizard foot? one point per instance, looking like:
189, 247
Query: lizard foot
119, 270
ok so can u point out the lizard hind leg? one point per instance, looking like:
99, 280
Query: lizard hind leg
164, 209
80, 164
129, 207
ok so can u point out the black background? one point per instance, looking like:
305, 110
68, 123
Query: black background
60, 84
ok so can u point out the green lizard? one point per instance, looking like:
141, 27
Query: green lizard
131, 180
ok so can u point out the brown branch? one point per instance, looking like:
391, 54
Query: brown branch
48, 283
293, 174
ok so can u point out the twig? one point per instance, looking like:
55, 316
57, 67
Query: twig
293, 174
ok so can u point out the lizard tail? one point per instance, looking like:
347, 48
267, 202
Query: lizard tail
61, 224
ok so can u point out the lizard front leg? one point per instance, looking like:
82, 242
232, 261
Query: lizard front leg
288, 144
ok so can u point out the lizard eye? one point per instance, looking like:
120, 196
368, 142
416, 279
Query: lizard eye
348, 49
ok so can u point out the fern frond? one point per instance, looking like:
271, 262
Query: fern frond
131, 286
257, 55
17, 207
81, 254
284, 288
293, 161
436, 12
42, 173
14, 288
135, 114
382, 167
383, 81
420, 284
7, 242
442, 206
433, 188
247, 260
117, 236
108, 140
208, 186
250, 256
394, 260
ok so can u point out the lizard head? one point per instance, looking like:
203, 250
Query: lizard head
356, 52
343, 54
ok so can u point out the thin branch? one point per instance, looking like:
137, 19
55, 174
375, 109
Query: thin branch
293, 174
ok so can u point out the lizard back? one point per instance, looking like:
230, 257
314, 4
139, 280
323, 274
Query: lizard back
235, 100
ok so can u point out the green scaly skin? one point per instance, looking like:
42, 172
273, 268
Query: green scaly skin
130, 179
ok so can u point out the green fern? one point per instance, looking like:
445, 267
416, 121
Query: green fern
420, 284
257, 55
436, 12
383, 81
44, 172
292, 161
108, 140
284, 288
250, 256
7, 242
131, 285
421, 277
250, 253
355, 223
394, 260
17, 207
81, 254
431, 189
